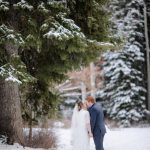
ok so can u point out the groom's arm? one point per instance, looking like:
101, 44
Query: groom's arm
93, 119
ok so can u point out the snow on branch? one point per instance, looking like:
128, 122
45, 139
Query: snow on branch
58, 32
10, 35
102, 45
42, 8
62, 30
10, 73
4, 5
23, 5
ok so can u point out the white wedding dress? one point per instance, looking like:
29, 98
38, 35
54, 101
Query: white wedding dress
80, 128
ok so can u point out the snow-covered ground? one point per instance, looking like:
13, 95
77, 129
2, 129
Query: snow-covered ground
15, 147
115, 139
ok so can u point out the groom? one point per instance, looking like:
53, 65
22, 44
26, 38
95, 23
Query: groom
97, 122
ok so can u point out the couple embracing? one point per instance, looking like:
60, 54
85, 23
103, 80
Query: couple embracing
87, 121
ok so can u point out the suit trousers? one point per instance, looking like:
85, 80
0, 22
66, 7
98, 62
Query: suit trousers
98, 140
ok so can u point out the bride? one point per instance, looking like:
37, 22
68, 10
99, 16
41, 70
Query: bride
81, 128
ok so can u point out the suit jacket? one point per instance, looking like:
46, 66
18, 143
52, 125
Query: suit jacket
97, 119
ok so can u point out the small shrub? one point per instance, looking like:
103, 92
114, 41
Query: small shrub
42, 138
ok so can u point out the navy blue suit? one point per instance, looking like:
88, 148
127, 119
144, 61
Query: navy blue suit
97, 125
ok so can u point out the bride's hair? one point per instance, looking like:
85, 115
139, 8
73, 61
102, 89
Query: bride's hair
79, 104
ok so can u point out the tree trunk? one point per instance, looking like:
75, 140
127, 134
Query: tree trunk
30, 132
83, 91
147, 57
92, 76
10, 116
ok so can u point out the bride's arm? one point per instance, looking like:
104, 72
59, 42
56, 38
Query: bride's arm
88, 125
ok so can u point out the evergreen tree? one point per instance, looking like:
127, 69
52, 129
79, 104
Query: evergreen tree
91, 16
124, 74
47, 44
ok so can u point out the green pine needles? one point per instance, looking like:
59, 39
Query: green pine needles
51, 38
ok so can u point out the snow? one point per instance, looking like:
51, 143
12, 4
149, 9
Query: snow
71, 23
104, 45
58, 124
115, 139
10, 35
42, 8
60, 33
23, 5
17, 75
13, 79
63, 30
15, 147
7, 71
4, 5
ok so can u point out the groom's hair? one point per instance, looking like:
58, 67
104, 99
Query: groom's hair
91, 99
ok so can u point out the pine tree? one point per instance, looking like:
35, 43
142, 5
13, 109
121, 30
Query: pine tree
124, 74
47, 45
10, 118
91, 16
